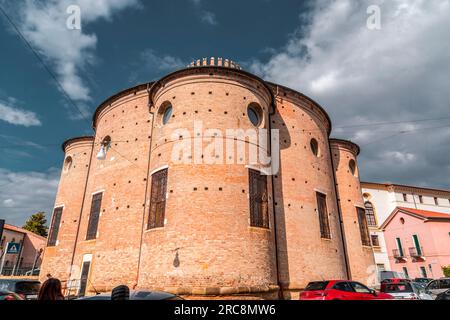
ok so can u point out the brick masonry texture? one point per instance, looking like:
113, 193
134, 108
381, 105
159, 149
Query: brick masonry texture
206, 247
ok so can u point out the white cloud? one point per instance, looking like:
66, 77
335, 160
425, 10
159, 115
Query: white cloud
161, 62
18, 116
70, 52
25, 193
400, 72
209, 18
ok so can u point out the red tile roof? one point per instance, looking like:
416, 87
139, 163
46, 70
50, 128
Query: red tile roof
420, 214
426, 214
21, 230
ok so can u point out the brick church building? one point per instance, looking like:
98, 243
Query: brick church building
129, 211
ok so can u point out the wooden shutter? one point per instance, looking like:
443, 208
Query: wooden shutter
363, 228
323, 216
259, 216
54, 230
158, 200
94, 216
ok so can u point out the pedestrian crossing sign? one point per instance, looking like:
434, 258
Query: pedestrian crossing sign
13, 248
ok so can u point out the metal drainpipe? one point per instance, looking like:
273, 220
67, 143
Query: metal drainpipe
82, 205
280, 291
341, 221
150, 104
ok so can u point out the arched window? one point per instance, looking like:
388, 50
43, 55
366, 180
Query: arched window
370, 214
314, 147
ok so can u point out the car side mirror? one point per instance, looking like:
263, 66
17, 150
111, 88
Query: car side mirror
374, 292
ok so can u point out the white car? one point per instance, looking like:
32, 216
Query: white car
406, 291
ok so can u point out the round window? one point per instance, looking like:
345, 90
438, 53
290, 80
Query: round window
352, 166
167, 114
315, 147
254, 114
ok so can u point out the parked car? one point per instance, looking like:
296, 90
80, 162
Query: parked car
444, 295
8, 295
435, 287
406, 290
27, 289
395, 280
137, 295
341, 290
423, 280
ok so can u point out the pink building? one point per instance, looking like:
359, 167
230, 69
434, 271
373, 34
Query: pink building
418, 242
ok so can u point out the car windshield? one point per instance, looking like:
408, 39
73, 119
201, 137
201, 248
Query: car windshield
398, 288
314, 286
27, 287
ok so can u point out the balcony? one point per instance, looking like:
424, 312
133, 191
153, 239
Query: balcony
416, 253
398, 255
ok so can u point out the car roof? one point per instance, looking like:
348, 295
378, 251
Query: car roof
19, 280
138, 295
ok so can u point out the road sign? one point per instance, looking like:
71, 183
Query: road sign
13, 248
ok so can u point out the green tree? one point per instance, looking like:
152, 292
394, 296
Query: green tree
446, 271
37, 224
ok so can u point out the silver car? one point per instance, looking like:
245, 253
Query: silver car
137, 295
406, 290
436, 287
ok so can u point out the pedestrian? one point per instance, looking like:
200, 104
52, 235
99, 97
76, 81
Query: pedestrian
51, 290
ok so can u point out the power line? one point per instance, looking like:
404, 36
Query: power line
47, 68
375, 124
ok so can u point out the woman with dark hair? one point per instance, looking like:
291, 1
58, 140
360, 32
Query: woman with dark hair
51, 290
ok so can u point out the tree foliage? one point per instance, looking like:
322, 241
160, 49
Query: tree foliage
37, 224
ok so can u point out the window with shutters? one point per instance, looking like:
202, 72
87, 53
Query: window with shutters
370, 214
158, 200
54, 229
363, 227
94, 217
259, 215
323, 216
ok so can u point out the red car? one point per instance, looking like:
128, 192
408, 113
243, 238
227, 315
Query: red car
341, 290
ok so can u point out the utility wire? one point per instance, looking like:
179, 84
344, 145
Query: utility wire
46, 67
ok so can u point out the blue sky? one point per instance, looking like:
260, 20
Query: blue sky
399, 73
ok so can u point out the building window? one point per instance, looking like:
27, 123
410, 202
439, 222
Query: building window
259, 215
352, 167
314, 147
417, 245
381, 267
423, 272
375, 240
323, 216
94, 217
2, 242
370, 214
158, 200
405, 197
254, 113
436, 201
54, 229
405, 271
363, 227
166, 112
399, 247
421, 199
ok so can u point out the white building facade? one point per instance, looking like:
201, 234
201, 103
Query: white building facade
381, 199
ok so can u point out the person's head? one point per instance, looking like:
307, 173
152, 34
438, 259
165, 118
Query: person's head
51, 290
